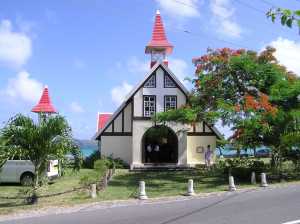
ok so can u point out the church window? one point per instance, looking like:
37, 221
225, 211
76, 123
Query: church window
149, 105
170, 103
169, 83
151, 82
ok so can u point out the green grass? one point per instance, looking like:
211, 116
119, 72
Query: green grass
124, 185
66, 183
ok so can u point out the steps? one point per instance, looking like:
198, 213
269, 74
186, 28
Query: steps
161, 167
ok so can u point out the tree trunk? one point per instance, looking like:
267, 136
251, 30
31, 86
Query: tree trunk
36, 176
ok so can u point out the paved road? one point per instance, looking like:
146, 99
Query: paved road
267, 206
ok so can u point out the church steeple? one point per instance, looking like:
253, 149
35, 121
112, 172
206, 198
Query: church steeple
44, 105
159, 46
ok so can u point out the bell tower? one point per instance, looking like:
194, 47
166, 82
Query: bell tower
158, 47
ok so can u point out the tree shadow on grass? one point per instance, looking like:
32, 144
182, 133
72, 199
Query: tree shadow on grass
12, 204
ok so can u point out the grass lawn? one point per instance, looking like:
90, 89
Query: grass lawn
124, 185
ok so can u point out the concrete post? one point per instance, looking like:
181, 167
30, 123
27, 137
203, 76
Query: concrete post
263, 180
253, 178
93, 191
105, 181
190, 191
231, 184
142, 191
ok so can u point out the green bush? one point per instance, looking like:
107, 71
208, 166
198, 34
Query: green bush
100, 166
241, 168
111, 162
116, 163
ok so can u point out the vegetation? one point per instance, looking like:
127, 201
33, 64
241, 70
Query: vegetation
287, 17
68, 190
100, 168
51, 138
250, 92
109, 160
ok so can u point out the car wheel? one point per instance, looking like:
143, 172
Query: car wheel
27, 179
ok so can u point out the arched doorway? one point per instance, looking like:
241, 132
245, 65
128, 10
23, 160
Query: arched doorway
160, 145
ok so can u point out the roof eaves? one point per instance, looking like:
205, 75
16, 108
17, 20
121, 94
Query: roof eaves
131, 93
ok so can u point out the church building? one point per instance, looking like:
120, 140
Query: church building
130, 132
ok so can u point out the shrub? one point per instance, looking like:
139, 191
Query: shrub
100, 166
241, 168
116, 163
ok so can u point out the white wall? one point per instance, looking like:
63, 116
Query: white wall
127, 118
118, 147
194, 157
118, 123
160, 92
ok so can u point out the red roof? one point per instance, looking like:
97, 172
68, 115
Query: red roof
44, 105
102, 120
159, 38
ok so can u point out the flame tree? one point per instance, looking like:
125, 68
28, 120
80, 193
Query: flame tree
249, 91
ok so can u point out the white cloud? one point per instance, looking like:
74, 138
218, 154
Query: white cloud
76, 108
138, 66
23, 87
287, 53
119, 93
15, 47
223, 18
180, 8
179, 67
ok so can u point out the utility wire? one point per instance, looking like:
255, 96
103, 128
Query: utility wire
211, 37
270, 4
250, 6
183, 3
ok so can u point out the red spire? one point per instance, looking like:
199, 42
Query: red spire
159, 39
44, 105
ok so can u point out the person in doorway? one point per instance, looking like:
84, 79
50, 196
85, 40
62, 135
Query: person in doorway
208, 155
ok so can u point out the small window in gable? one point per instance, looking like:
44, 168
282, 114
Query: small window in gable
169, 83
150, 82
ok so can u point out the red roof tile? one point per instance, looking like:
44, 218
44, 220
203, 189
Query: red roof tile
44, 105
102, 120
159, 38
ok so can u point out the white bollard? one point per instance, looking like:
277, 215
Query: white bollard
142, 189
253, 178
231, 184
263, 180
190, 191
93, 191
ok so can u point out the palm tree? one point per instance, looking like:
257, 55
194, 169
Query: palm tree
22, 137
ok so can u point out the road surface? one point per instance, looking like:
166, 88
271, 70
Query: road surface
267, 206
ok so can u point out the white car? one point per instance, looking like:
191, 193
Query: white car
22, 171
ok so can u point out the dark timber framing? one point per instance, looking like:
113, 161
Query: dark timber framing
131, 100
112, 123
203, 132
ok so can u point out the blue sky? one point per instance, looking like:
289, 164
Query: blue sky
90, 53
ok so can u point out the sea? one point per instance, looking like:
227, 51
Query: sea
87, 151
